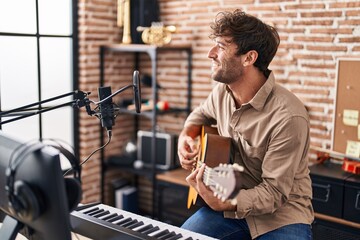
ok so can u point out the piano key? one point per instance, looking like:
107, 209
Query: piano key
168, 236
114, 219
159, 233
151, 230
135, 225
91, 210
143, 228
108, 216
96, 212
101, 214
122, 221
176, 237
129, 223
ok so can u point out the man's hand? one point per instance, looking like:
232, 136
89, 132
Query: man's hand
188, 147
195, 180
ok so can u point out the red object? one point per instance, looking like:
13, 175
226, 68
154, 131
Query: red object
351, 166
162, 105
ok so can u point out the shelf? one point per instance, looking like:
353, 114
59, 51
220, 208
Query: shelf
153, 52
143, 47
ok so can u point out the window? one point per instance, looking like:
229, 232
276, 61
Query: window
38, 61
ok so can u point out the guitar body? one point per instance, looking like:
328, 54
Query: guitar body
213, 150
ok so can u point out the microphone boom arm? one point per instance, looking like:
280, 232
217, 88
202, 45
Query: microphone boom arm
80, 100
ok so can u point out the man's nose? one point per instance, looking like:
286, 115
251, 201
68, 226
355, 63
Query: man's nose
212, 53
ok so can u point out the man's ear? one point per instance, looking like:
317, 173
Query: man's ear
250, 58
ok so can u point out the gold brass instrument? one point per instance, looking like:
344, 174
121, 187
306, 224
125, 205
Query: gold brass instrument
123, 20
157, 34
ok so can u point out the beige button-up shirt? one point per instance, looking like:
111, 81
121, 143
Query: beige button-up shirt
270, 137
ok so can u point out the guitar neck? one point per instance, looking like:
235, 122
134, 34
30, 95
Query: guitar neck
223, 180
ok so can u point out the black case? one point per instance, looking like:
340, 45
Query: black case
352, 199
328, 180
172, 203
143, 13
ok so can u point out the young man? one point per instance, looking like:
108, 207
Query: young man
269, 128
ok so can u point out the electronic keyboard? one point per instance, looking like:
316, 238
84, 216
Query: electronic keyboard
99, 221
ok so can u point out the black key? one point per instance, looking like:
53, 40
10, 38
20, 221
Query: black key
115, 218
101, 214
144, 228
150, 230
166, 236
91, 210
96, 212
110, 216
124, 221
129, 223
178, 236
138, 224
162, 233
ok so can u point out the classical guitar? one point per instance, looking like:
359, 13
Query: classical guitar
223, 180
213, 150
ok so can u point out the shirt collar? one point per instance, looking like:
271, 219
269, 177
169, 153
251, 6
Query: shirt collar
258, 101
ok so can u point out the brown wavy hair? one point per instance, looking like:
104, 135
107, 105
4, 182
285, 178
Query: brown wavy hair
248, 33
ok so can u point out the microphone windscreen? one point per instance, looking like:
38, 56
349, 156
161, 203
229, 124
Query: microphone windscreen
137, 91
106, 108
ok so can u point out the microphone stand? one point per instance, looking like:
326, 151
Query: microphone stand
29, 110
80, 100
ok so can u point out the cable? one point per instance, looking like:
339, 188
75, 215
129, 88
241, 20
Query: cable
109, 133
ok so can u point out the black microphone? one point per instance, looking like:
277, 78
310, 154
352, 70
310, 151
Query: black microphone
137, 91
107, 116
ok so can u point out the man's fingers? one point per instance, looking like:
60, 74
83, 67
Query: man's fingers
191, 179
201, 173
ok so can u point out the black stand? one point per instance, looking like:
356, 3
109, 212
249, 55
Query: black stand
28, 110
81, 100
10, 228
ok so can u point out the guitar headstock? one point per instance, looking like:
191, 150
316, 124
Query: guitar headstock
223, 180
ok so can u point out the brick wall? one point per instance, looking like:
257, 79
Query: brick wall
314, 34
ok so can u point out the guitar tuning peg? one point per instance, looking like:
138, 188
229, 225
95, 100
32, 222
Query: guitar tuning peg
233, 202
238, 167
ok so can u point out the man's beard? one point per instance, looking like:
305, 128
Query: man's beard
225, 76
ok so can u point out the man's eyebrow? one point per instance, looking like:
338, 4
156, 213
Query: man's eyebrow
221, 43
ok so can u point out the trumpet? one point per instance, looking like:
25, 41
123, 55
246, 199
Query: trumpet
123, 20
157, 34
